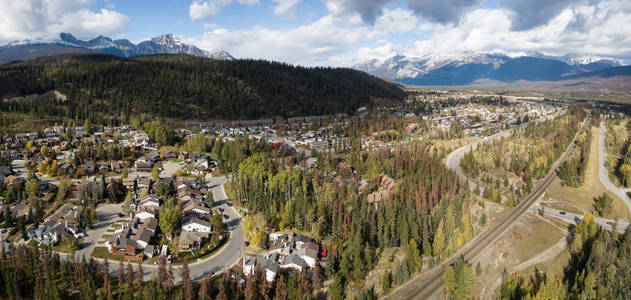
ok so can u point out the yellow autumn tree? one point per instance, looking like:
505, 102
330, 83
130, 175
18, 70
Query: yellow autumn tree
439, 240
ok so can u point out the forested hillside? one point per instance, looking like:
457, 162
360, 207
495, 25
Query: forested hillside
100, 87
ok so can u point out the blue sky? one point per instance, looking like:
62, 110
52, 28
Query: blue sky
334, 32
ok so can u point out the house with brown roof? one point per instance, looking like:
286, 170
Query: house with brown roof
190, 241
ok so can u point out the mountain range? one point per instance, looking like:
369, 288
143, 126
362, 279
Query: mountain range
67, 43
472, 68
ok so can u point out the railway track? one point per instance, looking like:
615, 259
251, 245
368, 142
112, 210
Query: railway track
431, 283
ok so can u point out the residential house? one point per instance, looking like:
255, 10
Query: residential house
300, 239
294, 262
69, 216
196, 207
195, 224
144, 164
116, 166
190, 241
129, 183
150, 251
250, 264
122, 246
45, 234
144, 214
149, 202
169, 154
309, 255
141, 236
150, 224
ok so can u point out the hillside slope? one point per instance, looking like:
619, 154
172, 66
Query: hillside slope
184, 87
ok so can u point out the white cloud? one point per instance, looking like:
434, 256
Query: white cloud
328, 41
285, 8
396, 21
604, 33
35, 19
382, 51
443, 11
200, 10
336, 39
208, 9
368, 10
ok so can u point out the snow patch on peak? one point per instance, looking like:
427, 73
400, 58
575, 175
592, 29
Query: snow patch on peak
167, 39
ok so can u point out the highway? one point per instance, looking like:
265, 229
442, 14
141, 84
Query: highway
603, 173
572, 218
430, 284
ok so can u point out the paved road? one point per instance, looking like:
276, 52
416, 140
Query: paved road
169, 168
573, 218
228, 256
235, 249
106, 214
453, 159
603, 173
429, 285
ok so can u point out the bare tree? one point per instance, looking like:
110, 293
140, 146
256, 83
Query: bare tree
139, 276
107, 289
187, 287
206, 289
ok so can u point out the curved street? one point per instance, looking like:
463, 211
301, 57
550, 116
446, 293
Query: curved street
429, 285
226, 257
603, 173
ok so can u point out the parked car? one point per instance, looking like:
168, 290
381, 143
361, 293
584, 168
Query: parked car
3, 230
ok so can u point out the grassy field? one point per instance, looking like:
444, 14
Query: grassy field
583, 196
527, 239
530, 241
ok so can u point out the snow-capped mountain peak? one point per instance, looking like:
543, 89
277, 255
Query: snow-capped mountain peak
167, 39
221, 55
68, 43
401, 67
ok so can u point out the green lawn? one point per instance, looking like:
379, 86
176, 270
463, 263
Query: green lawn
102, 252
32, 243
207, 251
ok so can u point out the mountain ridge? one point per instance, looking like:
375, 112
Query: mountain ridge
68, 43
467, 68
